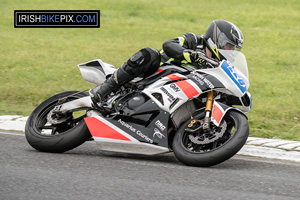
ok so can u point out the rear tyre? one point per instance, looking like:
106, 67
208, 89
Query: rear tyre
61, 137
205, 155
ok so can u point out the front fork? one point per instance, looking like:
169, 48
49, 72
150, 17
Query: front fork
195, 125
208, 109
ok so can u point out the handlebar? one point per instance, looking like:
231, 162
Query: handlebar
209, 60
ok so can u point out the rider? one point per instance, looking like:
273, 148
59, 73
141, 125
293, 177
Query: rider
220, 34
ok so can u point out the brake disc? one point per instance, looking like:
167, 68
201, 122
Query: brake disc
209, 137
54, 118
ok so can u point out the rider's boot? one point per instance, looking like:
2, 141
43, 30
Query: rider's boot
142, 63
113, 83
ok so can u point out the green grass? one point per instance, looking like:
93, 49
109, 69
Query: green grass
37, 63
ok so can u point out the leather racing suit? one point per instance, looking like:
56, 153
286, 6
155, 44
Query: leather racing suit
147, 60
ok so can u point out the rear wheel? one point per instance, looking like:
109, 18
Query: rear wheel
198, 148
63, 132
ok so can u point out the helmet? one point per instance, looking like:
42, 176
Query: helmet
222, 34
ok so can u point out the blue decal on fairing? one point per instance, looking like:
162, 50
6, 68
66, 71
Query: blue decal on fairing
232, 73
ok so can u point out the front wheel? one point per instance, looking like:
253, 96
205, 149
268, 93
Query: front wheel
199, 148
64, 133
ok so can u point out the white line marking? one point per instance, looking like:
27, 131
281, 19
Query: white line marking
8, 133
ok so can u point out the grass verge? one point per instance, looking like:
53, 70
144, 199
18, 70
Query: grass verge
37, 63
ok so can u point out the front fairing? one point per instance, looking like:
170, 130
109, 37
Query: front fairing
239, 63
233, 74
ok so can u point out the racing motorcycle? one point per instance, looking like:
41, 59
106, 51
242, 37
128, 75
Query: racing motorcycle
199, 114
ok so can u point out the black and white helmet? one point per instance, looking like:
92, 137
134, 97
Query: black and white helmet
222, 34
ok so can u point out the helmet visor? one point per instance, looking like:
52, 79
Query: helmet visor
227, 44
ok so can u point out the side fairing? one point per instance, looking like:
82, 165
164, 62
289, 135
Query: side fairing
142, 132
172, 91
149, 124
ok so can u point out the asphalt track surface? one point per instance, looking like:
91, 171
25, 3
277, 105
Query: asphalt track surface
87, 173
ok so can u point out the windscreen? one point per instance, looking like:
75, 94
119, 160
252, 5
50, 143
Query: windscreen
237, 59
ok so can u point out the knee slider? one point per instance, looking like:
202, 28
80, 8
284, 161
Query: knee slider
136, 60
140, 58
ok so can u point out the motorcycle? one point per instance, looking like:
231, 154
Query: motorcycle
199, 114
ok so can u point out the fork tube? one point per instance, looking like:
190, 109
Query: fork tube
208, 108
210, 96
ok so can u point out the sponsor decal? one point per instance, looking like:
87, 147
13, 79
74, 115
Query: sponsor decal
158, 134
171, 98
127, 125
134, 130
201, 80
138, 132
160, 125
174, 87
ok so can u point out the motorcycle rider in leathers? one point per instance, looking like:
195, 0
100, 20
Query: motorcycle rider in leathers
220, 34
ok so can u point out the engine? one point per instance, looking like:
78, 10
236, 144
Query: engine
130, 103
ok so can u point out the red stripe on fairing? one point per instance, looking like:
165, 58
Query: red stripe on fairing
187, 88
173, 77
217, 113
98, 128
159, 70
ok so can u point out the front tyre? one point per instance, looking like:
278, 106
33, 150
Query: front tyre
198, 153
70, 132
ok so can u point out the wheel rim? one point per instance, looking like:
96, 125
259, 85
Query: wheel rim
44, 128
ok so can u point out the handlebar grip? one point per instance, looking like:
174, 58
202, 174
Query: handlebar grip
209, 60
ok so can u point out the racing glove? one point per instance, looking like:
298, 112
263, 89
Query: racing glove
191, 56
